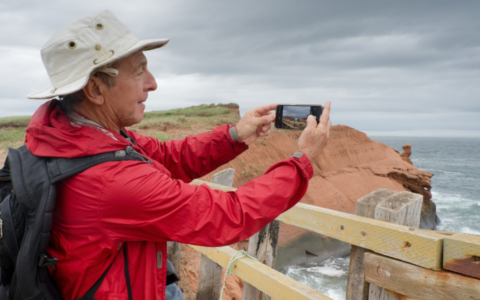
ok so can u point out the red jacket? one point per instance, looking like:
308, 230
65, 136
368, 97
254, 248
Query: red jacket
147, 205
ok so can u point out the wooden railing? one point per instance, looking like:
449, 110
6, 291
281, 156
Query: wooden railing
388, 261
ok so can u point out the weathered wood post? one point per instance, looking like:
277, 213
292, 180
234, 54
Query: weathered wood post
174, 250
210, 275
263, 246
357, 287
401, 208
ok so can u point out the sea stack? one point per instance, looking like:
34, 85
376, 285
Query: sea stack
407, 151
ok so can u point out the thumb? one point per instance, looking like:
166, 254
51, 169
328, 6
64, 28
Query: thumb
311, 122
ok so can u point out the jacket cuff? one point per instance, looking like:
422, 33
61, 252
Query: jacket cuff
233, 134
306, 165
237, 144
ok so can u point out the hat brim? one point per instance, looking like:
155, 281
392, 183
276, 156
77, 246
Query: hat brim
72, 87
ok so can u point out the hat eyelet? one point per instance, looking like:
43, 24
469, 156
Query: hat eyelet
99, 26
72, 45
98, 47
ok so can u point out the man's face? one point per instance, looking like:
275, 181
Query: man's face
126, 98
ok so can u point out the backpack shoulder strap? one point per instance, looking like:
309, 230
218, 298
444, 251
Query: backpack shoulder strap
62, 168
5, 171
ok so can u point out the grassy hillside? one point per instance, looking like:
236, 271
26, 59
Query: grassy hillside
12, 131
163, 125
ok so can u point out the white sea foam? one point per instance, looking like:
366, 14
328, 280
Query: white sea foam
328, 277
336, 294
331, 271
469, 230
445, 201
436, 171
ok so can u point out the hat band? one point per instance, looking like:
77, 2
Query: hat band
104, 57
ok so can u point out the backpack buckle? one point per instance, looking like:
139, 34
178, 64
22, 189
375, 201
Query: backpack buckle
47, 261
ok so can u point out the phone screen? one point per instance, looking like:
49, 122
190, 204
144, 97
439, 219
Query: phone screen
295, 116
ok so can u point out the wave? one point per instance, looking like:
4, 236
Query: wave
469, 230
328, 277
443, 171
446, 201
331, 271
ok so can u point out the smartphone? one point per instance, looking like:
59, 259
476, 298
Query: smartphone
294, 116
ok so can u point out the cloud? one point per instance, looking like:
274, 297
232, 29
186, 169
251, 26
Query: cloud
381, 64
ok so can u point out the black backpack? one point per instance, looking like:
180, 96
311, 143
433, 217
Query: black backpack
27, 195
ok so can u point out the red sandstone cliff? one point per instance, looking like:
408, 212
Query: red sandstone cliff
352, 165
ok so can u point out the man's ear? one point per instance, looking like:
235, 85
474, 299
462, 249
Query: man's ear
94, 90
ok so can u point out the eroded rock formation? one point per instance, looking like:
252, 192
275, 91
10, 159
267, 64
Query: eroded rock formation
407, 151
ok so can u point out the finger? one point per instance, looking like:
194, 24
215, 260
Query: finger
273, 115
265, 109
259, 121
325, 115
267, 127
328, 128
311, 122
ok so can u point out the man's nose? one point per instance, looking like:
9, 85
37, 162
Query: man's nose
151, 84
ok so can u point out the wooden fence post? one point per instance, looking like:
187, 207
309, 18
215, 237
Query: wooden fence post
403, 208
174, 250
210, 275
263, 246
357, 287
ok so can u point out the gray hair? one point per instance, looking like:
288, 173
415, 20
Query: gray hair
70, 101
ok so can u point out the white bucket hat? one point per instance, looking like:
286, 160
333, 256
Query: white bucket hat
74, 52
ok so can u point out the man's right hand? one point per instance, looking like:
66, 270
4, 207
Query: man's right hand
314, 137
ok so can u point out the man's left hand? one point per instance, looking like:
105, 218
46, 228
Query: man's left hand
255, 123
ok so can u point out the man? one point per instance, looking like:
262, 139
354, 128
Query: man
98, 70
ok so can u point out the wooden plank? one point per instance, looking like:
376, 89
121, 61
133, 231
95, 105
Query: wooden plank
210, 274
384, 294
263, 246
357, 287
461, 254
420, 247
419, 283
213, 185
287, 123
224, 177
269, 281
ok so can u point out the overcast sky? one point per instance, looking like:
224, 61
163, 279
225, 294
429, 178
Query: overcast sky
407, 68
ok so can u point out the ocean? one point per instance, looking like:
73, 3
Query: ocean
455, 163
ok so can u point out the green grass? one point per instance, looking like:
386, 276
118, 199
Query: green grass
203, 110
11, 138
14, 121
208, 115
229, 105
12, 131
161, 136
